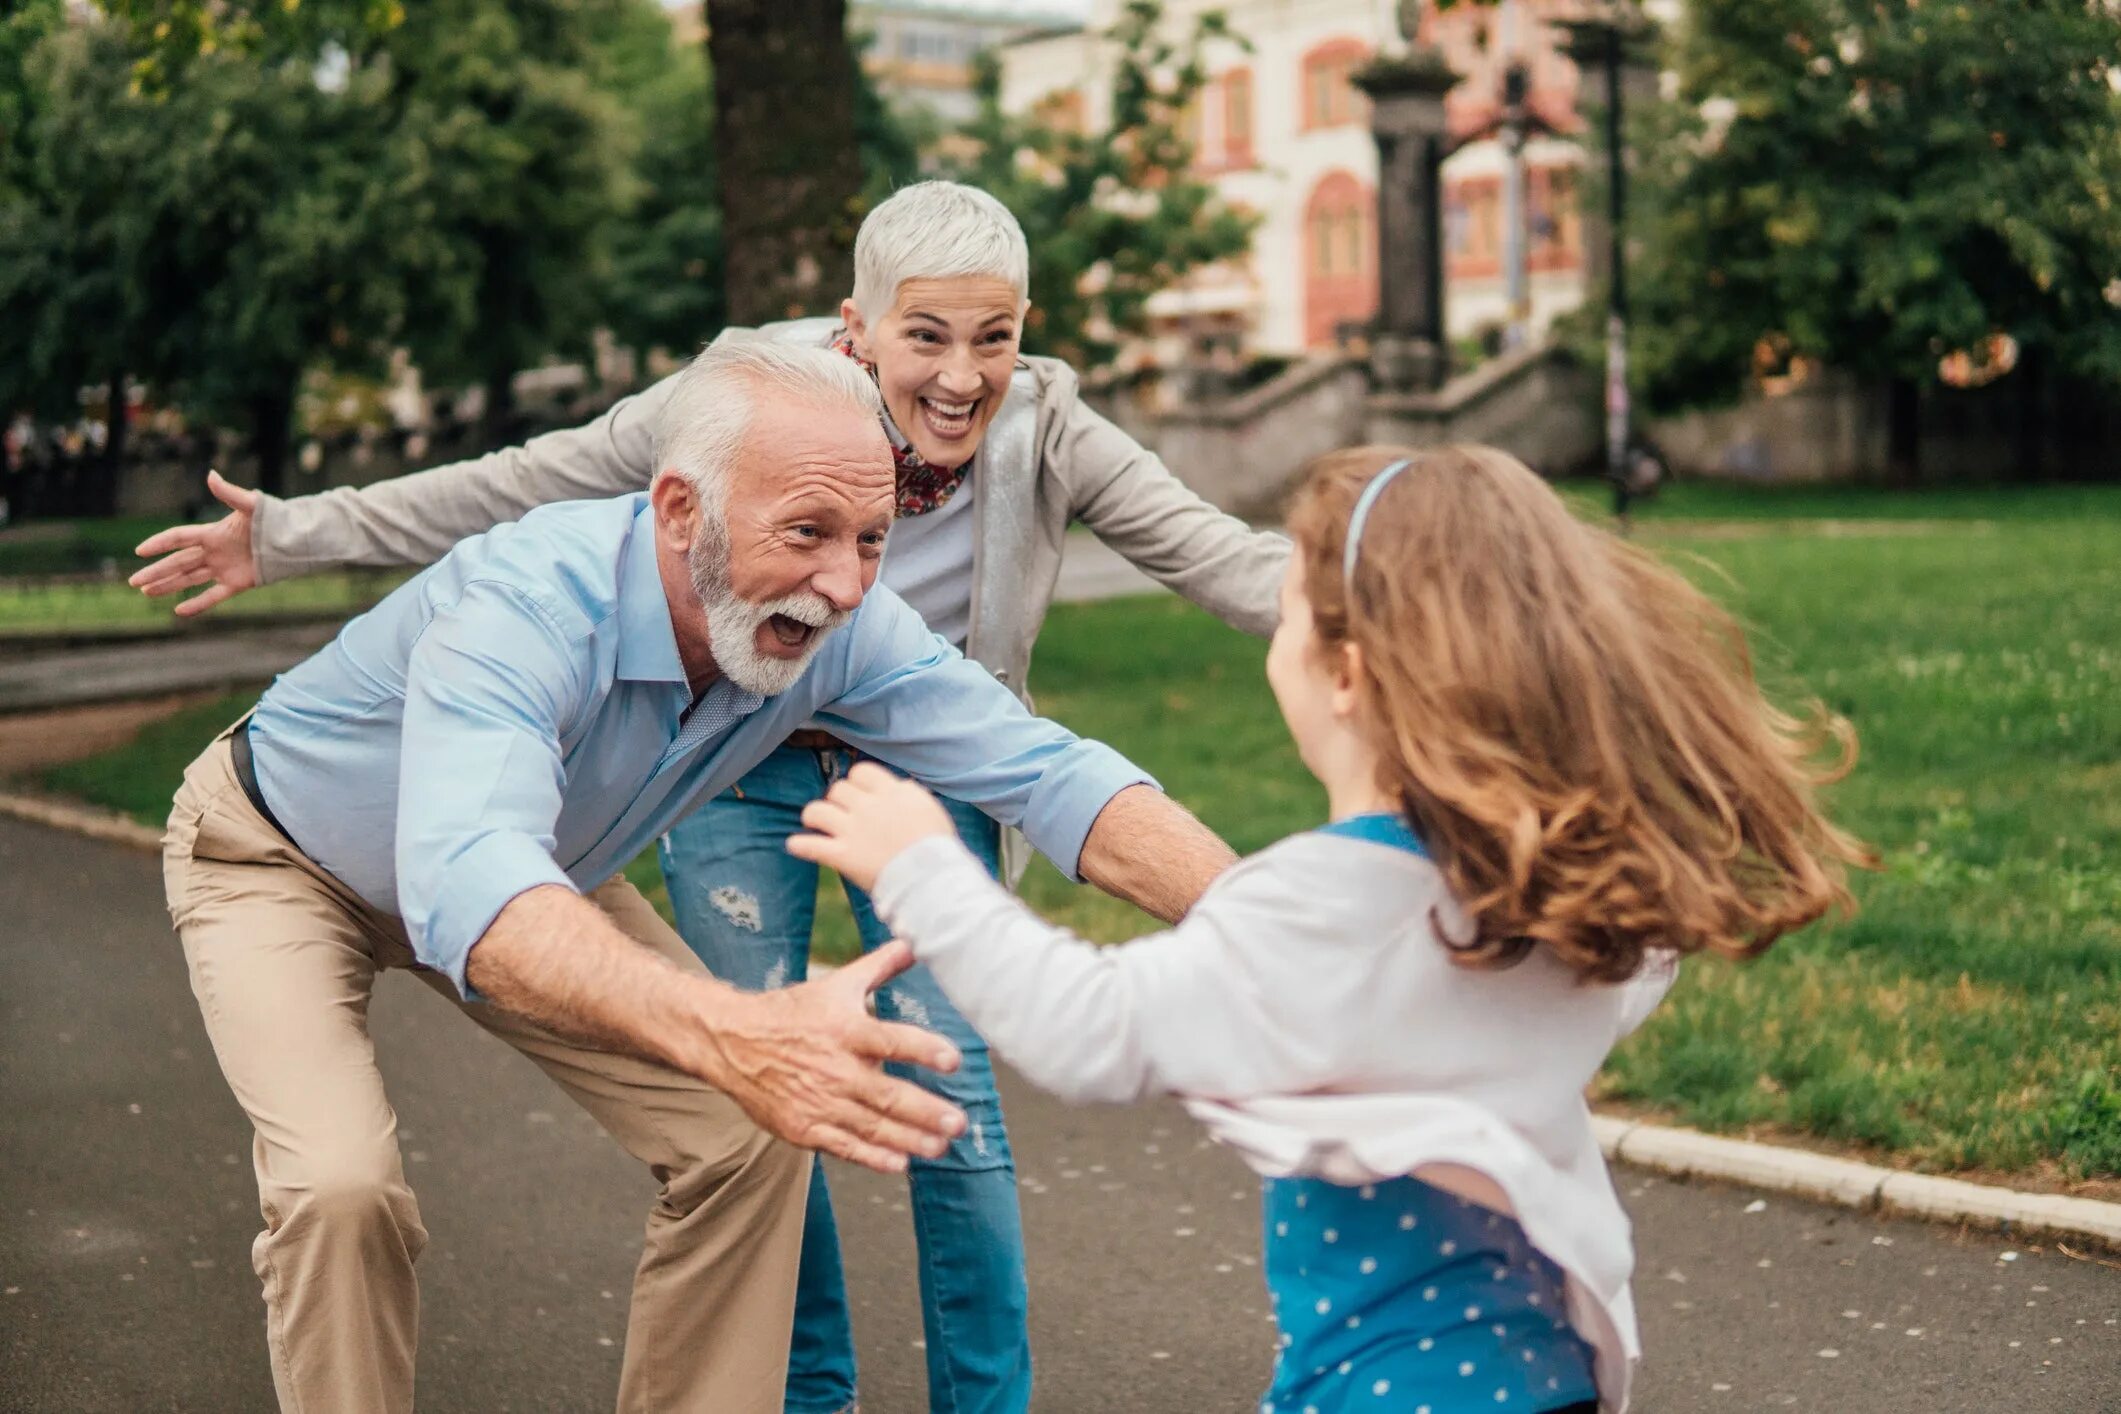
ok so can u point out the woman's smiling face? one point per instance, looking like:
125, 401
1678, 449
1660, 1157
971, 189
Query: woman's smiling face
944, 353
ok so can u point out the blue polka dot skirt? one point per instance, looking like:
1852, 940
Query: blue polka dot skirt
1398, 1296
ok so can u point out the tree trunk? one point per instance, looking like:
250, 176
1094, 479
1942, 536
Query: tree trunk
789, 171
2032, 413
1903, 421
272, 418
497, 425
106, 493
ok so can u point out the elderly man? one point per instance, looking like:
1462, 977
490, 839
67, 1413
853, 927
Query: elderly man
996, 456
453, 786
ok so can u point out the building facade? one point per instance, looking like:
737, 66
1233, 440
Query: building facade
1282, 131
920, 52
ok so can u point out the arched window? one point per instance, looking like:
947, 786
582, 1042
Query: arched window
1556, 222
1340, 257
1237, 118
1330, 98
1473, 228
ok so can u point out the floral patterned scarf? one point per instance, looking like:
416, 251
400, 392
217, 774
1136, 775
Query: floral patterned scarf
921, 487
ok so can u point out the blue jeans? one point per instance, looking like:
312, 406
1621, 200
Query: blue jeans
746, 906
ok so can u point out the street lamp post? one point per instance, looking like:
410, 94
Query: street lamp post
1612, 43
1515, 93
1616, 324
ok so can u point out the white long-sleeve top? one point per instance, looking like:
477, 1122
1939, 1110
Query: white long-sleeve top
1308, 1011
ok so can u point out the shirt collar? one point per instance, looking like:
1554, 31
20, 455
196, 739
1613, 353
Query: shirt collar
648, 645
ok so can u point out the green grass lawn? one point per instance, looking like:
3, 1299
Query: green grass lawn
112, 606
73, 546
1967, 1018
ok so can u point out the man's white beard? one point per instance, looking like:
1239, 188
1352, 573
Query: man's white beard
733, 623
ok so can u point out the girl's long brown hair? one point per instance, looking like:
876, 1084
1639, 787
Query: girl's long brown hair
1572, 728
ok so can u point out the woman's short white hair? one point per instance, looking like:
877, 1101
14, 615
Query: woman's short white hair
936, 231
703, 422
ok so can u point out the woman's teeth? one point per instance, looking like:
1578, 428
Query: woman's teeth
950, 419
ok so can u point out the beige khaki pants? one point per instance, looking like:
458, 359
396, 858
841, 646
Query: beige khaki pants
283, 959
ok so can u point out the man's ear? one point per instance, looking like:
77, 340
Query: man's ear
857, 327
676, 509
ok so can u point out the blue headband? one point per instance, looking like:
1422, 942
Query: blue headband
1363, 503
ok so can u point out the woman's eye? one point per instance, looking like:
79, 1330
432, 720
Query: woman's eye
924, 336
1001, 336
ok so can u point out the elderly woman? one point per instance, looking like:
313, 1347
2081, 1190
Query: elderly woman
997, 455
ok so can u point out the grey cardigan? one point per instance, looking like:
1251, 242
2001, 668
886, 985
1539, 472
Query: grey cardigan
1078, 466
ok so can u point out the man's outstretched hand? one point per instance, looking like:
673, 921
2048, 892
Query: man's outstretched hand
216, 555
803, 1062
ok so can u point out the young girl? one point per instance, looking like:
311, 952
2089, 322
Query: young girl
1550, 776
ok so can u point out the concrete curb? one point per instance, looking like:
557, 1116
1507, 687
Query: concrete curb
106, 825
1680, 1153
1685, 1153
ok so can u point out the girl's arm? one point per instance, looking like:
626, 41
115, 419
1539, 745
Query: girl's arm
1218, 1006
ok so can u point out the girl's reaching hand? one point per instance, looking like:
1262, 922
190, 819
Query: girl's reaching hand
864, 821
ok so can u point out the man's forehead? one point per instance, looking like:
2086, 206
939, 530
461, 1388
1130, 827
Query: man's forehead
796, 453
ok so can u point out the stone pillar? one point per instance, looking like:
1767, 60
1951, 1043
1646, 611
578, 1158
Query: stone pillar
1409, 352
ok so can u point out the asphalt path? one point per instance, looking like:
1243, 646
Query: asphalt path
127, 1211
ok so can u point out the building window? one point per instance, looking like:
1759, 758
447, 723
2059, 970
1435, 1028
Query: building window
1340, 263
1237, 118
1330, 98
1556, 221
1473, 228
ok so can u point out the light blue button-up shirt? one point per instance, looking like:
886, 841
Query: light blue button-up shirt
517, 715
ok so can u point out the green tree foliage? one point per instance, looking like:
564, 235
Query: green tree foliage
665, 290
216, 240
288, 216
168, 36
1880, 183
517, 163
1112, 216
73, 245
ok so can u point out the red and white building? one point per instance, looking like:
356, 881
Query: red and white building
1282, 132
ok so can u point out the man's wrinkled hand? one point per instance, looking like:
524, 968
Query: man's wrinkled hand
806, 1064
865, 820
216, 555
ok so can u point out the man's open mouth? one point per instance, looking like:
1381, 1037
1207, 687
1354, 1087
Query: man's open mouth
790, 633
949, 419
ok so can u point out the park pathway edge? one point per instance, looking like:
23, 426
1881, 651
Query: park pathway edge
1687, 1153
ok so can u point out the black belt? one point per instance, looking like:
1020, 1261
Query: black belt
247, 777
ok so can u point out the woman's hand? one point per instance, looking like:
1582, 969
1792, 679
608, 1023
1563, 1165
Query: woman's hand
864, 821
217, 555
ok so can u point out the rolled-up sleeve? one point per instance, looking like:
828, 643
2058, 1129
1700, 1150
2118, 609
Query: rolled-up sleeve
914, 702
489, 684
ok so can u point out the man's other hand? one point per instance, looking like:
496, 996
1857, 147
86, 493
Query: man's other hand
216, 555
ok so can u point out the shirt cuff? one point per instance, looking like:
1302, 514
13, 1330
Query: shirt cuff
1069, 797
264, 561
469, 893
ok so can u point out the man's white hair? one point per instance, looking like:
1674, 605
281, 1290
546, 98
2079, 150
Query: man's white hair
709, 409
936, 231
